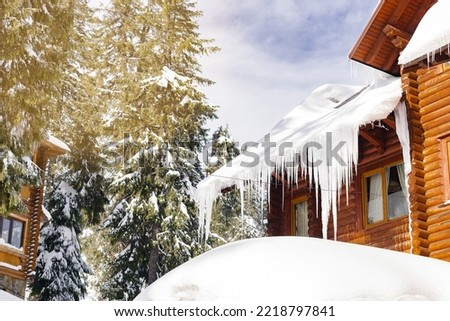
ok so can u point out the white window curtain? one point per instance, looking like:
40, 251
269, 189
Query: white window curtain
301, 219
401, 200
398, 201
402, 179
375, 199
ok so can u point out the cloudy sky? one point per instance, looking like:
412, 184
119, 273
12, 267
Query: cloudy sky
274, 53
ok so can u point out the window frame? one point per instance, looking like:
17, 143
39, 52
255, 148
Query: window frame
445, 162
12, 219
294, 202
382, 171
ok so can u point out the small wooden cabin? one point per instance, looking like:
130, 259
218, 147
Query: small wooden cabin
20, 231
383, 220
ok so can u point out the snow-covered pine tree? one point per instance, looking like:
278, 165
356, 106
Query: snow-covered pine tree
228, 224
223, 149
34, 43
60, 269
81, 111
151, 84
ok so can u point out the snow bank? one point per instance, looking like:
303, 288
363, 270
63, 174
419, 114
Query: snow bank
305, 139
296, 268
432, 33
4, 296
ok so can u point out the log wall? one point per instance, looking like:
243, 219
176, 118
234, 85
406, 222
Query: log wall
432, 109
417, 189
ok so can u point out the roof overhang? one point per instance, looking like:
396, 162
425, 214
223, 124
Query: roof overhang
388, 32
54, 146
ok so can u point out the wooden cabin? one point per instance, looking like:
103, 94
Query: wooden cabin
20, 231
384, 222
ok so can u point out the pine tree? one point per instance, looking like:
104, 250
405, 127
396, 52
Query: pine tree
34, 43
80, 113
228, 224
157, 112
60, 269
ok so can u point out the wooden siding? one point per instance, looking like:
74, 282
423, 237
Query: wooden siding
417, 189
394, 235
429, 102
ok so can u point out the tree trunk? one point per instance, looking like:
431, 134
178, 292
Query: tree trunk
154, 256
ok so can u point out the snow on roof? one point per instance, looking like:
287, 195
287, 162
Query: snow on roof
432, 33
330, 115
5, 296
297, 268
57, 142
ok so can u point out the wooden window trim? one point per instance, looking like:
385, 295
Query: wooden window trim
295, 201
382, 171
445, 162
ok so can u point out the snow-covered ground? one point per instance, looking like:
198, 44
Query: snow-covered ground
4, 296
296, 268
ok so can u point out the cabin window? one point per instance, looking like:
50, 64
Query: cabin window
385, 194
12, 231
300, 217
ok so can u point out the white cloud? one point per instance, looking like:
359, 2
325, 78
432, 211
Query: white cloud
274, 53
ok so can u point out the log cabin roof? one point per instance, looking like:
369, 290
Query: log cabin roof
388, 32
53, 146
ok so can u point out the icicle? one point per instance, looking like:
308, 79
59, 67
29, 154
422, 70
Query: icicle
241, 189
402, 129
315, 127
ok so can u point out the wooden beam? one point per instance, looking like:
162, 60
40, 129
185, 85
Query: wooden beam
400, 42
391, 63
393, 32
398, 37
374, 140
373, 53
389, 122
400, 9
279, 179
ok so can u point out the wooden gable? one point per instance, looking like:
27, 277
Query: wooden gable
388, 32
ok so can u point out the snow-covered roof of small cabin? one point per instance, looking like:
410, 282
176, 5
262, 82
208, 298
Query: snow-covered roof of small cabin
53, 145
432, 33
58, 143
335, 111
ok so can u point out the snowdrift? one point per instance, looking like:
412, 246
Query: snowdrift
296, 268
5, 296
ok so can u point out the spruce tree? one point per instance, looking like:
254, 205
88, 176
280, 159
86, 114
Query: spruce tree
60, 269
34, 44
157, 114
80, 113
227, 223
